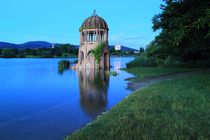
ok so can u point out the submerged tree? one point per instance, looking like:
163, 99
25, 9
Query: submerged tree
63, 65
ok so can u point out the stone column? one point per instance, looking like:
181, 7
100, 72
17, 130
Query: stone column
96, 35
99, 36
106, 36
85, 37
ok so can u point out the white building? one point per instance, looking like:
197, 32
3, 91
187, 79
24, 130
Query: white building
52, 45
118, 47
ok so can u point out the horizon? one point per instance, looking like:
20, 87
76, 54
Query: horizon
53, 43
57, 22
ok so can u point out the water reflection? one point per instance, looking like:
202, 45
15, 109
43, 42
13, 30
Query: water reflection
93, 85
117, 65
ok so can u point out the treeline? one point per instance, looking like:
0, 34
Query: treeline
64, 51
184, 39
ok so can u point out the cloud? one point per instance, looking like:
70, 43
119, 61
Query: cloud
133, 35
127, 40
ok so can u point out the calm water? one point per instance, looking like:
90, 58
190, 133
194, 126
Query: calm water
39, 103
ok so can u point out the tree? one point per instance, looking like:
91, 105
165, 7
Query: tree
141, 50
63, 65
184, 26
0, 52
9, 53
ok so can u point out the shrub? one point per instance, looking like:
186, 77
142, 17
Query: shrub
63, 65
143, 61
98, 52
112, 73
172, 62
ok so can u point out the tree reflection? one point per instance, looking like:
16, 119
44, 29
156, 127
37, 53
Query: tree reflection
93, 91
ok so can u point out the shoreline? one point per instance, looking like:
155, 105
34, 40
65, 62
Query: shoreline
86, 131
113, 56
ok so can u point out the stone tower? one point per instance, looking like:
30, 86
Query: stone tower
94, 31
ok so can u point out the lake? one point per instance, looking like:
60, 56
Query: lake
40, 102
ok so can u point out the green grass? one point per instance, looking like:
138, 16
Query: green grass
175, 109
150, 72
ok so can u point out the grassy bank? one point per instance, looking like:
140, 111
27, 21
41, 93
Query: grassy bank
175, 109
150, 72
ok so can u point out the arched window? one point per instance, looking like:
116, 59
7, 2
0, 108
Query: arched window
90, 53
81, 56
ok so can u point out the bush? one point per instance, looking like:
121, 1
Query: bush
169, 62
143, 61
197, 64
112, 73
63, 65
172, 62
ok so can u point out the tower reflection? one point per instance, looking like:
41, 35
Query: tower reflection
93, 86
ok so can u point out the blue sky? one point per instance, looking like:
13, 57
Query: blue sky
59, 20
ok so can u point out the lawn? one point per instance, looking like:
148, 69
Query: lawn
174, 109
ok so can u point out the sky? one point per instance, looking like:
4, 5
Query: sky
58, 21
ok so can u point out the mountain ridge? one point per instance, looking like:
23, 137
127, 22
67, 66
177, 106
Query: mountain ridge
45, 44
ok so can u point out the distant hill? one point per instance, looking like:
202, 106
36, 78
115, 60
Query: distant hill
36, 44
44, 44
31, 44
7, 45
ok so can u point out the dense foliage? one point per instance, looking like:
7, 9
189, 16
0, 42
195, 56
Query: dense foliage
185, 30
64, 50
98, 52
184, 38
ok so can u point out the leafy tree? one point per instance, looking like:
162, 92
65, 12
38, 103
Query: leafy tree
184, 39
141, 50
0, 52
47, 54
9, 53
185, 34
112, 50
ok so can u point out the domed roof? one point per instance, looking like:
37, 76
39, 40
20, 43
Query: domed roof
94, 22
